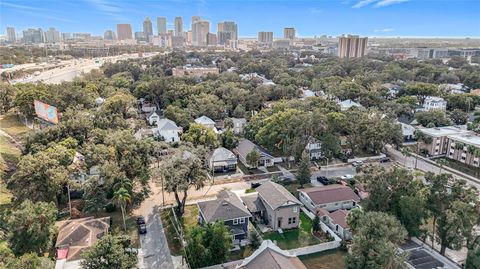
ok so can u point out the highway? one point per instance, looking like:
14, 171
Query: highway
72, 69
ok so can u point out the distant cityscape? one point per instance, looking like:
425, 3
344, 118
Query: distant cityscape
200, 36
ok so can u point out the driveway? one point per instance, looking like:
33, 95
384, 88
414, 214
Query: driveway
156, 254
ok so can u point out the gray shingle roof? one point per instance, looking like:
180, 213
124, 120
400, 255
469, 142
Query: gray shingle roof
166, 124
227, 206
276, 195
222, 154
269, 256
204, 120
253, 203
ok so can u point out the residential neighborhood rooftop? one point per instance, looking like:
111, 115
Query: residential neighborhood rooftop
227, 206
330, 194
276, 195
444, 131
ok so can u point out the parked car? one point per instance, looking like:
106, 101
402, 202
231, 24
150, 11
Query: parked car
255, 185
347, 177
384, 160
142, 229
140, 220
323, 180
286, 180
357, 163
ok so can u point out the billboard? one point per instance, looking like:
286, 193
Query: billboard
46, 112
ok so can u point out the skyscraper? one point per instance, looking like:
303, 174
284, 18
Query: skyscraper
289, 33
211, 39
226, 31
200, 29
178, 26
52, 36
161, 25
66, 36
33, 35
265, 38
147, 28
352, 46
109, 35
11, 36
124, 31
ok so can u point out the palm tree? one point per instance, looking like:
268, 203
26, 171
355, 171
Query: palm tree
406, 152
122, 197
441, 162
123, 182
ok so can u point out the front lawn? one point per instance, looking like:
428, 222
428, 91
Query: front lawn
190, 217
296, 238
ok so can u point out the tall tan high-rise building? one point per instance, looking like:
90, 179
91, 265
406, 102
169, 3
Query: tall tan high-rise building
11, 35
265, 38
352, 46
161, 25
289, 33
200, 31
124, 31
226, 31
178, 26
147, 28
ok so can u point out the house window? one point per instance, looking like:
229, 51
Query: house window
294, 220
235, 221
336, 228
242, 220
289, 220
295, 209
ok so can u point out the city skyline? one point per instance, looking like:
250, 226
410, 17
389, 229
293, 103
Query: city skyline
388, 18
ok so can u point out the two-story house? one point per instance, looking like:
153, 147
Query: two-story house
229, 209
337, 221
168, 130
330, 197
275, 205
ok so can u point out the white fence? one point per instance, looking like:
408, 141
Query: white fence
315, 248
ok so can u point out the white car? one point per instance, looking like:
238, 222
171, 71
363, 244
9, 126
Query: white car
347, 177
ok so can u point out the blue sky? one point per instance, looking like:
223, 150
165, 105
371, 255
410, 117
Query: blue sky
456, 18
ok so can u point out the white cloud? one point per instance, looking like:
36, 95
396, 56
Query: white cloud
384, 30
363, 3
385, 3
315, 10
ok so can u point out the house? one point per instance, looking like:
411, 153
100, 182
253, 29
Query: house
146, 106
238, 125
330, 197
207, 122
347, 104
153, 117
256, 77
306, 93
458, 88
275, 205
227, 208
245, 146
313, 148
222, 160
408, 132
76, 236
337, 221
434, 103
270, 256
393, 89
193, 71
168, 130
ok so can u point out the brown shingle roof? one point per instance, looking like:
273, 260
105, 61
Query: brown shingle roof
276, 195
339, 217
227, 206
331, 194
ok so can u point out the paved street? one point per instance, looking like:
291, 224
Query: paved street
422, 165
333, 172
156, 254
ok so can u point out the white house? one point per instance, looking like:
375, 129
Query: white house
330, 198
434, 103
153, 117
207, 122
238, 125
337, 221
147, 107
306, 93
408, 132
168, 130
347, 104
222, 160
313, 149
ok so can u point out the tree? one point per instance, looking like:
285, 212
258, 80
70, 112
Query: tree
316, 223
110, 252
375, 243
458, 117
252, 158
32, 227
208, 245
28, 261
26, 94
122, 197
229, 140
199, 134
255, 240
7, 97
435, 117
473, 256
412, 213
421, 90
184, 169
303, 172
95, 196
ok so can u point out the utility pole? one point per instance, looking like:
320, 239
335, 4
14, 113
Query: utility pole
69, 200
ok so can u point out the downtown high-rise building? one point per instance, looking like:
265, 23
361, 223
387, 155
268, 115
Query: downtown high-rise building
147, 28
226, 31
161, 25
52, 36
289, 33
109, 35
265, 38
66, 36
352, 46
178, 26
200, 30
11, 35
212, 39
33, 36
124, 31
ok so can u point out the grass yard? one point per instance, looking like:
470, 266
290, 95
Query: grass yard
293, 188
332, 259
467, 169
10, 125
296, 238
190, 217
174, 243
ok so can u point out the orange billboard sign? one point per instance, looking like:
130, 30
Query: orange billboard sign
46, 112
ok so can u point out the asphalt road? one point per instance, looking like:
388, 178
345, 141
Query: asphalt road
333, 172
156, 254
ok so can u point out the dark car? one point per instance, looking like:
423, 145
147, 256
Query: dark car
140, 220
286, 180
255, 185
323, 180
384, 160
142, 229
